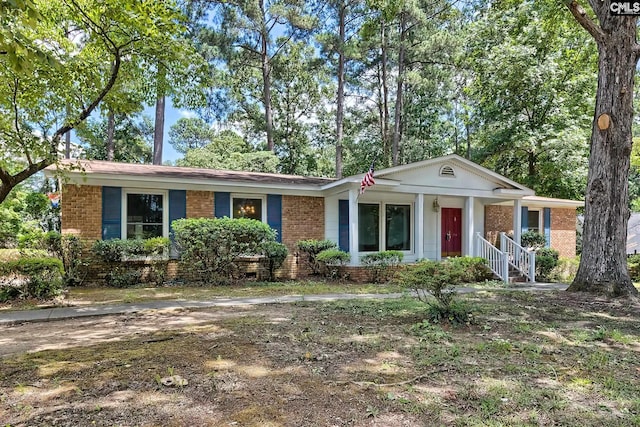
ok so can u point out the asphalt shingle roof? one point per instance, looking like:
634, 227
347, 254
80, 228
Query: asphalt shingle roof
154, 171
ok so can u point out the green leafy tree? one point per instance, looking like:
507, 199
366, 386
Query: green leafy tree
42, 104
230, 151
298, 82
132, 138
533, 83
190, 133
245, 36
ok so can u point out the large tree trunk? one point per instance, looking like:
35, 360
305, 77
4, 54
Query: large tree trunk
385, 92
158, 132
111, 127
266, 82
67, 145
340, 94
603, 265
397, 122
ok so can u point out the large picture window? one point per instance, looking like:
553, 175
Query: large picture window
398, 227
385, 226
251, 208
145, 215
368, 227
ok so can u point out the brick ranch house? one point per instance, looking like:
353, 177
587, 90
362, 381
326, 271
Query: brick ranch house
436, 208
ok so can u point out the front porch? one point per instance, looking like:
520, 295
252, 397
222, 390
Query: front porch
425, 226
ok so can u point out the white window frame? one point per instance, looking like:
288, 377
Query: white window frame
540, 219
261, 197
382, 226
165, 208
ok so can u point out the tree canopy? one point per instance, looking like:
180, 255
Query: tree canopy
68, 58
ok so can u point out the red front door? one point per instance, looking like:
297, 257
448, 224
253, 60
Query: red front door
451, 230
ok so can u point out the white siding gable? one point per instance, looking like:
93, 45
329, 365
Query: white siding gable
430, 176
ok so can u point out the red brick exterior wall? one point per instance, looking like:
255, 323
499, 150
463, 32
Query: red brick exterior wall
563, 231
81, 211
302, 218
199, 204
496, 220
563, 227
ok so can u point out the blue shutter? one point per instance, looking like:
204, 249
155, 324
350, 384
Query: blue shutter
111, 213
274, 214
177, 207
547, 226
222, 204
525, 219
343, 225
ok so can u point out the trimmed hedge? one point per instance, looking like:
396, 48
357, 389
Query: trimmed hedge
382, 265
312, 248
209, 246
275, 254
31, 278
121, 254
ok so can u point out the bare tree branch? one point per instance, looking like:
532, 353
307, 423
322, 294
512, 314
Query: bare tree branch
580, 14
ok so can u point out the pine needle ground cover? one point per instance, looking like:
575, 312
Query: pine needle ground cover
527, 359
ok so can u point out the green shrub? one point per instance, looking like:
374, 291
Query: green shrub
471, 269
533, 240
566, 270
439, 279
68, 249
331, 260
312, 248
633, 263
382, 265
209, 247
121, 255
546, 261
117, 250
7, 255
32, 238
31, 278
155, 246
275, 254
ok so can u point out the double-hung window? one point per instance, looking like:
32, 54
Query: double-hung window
384, 226
533, 221
146, 214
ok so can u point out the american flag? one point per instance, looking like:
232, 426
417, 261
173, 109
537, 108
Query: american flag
367, 180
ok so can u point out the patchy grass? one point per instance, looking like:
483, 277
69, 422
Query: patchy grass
79, 296
530, 359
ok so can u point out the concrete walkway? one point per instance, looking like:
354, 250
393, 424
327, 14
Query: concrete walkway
60, 313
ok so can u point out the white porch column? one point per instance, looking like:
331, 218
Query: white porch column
517, 220
469, 228
419, 220
353, 226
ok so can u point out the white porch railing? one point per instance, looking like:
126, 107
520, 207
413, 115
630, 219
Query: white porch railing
520, 258
497, 260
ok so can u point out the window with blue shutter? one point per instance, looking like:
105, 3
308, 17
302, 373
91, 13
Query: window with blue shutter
222, 204
547, 226
274, 214
343, 225
111, 213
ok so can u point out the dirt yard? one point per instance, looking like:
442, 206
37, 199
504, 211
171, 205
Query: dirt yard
528, 359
